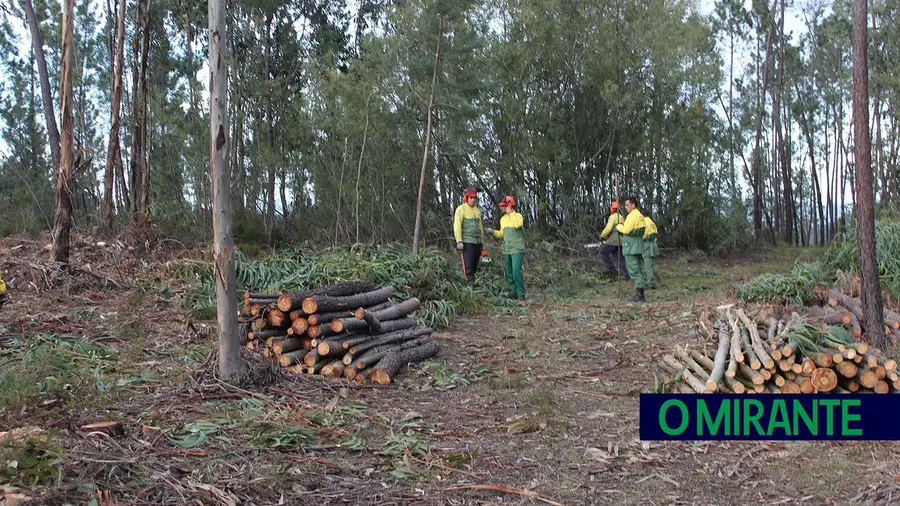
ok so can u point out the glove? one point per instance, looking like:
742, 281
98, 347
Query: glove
490, 231
459, 246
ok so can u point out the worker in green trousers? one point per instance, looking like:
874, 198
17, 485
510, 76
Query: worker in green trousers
632, 232
651, 251
512, 234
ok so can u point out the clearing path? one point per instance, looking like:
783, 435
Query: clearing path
541, 399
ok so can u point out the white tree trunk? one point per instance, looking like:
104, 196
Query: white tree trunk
231, 364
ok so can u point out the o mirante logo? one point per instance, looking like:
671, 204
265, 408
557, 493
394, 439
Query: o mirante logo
769, 417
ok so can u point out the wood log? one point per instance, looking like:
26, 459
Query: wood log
838, 298
288, 359
300, 325
294, 301
773, 327
881, 387
288, 345
358, 313
684, 389
320, 318
806, 386
779, 380
349, 372
887, 363
848, 383
311, 357
372, 356
729, 383
824, 379
755, 340
736, 353
718, 366
790, 375
362, 376
394, 312
390, 365
867, 378
847, 369
328, 303
870, 359
753, 375
821, 359
333, 343
394, 337
752, 359
316, 367
790, 388
880, 372
334, 369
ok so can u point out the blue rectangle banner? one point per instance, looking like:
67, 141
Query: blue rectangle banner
769, 417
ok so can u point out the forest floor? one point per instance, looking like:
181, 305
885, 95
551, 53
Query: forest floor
543, 398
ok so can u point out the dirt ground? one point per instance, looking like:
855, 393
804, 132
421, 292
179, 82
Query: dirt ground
541, 399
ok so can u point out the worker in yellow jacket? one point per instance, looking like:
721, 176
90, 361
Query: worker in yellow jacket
633, 245
469, 231
651, 251
3, 296
611, 251
512, 234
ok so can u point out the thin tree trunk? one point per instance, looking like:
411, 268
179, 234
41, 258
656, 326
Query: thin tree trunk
144, 195
38, 46
757, 161
437, 57
231, 364
113, 152
64, 181
865, 202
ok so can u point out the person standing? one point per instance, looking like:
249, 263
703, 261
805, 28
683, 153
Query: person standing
469, 230
611, 251
512, 233
633, 245
3, 296
651, 251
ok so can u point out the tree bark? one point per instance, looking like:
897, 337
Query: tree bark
437, 59
38, 47
391, 364
113, 152
865, 201
63, 221
231, 364
143, 196
757, 161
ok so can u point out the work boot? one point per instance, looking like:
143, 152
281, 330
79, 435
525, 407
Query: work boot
639, 297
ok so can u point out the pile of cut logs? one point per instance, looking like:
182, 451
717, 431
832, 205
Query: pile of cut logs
761, 352
349, 330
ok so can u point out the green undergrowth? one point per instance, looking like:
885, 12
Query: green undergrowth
433, 276
430, 276
799, 286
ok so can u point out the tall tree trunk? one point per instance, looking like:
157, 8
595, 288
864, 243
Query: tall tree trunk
113, 152
144, 195
757, 156
865, 201
64, 181
437, 59
38, 45
270, 167
807, 126
231, 364
133, 163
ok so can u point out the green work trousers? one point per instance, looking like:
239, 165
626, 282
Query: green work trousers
633, 262
514, 279
649, 275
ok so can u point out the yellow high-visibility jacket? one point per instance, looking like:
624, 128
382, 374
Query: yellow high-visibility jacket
632, 233
467, 225
609, 234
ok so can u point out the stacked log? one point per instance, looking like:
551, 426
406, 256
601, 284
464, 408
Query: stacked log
355, 331
758, 353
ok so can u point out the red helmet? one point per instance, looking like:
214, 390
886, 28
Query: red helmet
614, 207
508, 202
470, 193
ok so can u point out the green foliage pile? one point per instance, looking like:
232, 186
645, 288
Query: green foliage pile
432, 278
798, 287
843, 256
